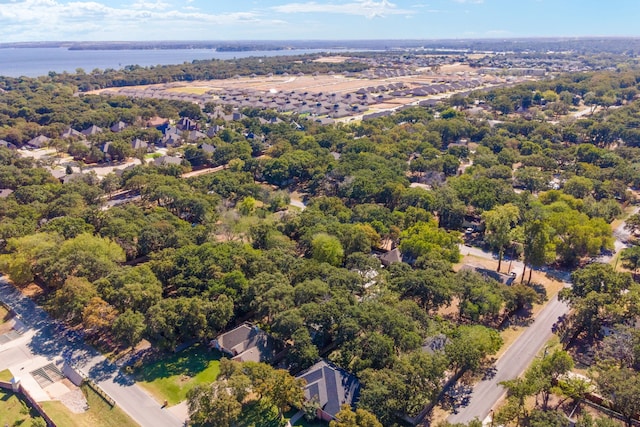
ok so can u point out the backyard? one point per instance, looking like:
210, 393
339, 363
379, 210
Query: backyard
15, 412
100, 413
4, 314
172, 376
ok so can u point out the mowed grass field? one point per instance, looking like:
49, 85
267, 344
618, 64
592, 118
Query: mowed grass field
4, 314
14, 411
100, 413
192, 90
171, 377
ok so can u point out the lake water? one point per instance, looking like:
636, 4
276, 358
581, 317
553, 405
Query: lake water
33, 62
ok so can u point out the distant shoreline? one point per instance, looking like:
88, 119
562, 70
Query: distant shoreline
616, 45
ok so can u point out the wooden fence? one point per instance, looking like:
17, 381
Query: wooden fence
95, 387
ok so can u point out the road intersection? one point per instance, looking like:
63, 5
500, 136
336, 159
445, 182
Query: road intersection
45, 340
524, 349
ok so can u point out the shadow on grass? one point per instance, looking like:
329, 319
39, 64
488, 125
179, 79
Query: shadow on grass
540, 290
188, 362
260, 413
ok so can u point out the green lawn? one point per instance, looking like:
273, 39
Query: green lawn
5, 375
303, 421
315, 423
100, 413
4, 314
260, 414
14, 411
172, 377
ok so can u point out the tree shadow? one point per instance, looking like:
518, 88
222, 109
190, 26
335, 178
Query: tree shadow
458, 396
489, 373
55, 341
123, 379
260, 413
102, 371
188, 362
540, 290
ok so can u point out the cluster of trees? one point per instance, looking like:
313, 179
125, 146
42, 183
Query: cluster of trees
132, 75
193, 256
267, 391
604, 306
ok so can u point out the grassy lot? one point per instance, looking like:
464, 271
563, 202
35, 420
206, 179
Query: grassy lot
259, 413
14, 411
100, 414
4, 314
315, 423
303, 422
5, 375
190, 90
171, 377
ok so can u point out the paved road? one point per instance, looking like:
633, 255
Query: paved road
518, 356
512, 363
50, 339
521, 353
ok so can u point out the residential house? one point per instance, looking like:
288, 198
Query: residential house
105, 147
157, 122
39, 141
186, 123
207, 148
505, 279
237, 116
118, 127
171, 139
138, 144
91, 130
58, 174
71, 133
195, 135
247, 343
391, 257
167, 160
214, 130
7, 144
331, 387
172, 130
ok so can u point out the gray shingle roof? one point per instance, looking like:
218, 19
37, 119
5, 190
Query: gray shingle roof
39, 141
167, 160
70, 133
247, 343
331, 386
118, 127
92, 130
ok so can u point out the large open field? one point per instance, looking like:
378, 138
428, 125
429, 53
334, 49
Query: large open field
323, 83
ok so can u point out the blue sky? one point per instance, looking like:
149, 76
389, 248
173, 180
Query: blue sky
48, 20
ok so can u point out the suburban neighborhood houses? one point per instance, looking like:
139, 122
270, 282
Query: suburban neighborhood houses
406, 237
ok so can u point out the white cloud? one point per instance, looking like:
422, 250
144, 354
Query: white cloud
24, 20
469, 1
494, 33
367, 8
148, 5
